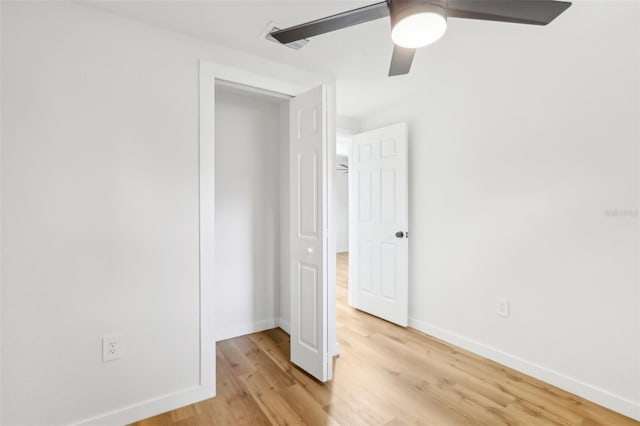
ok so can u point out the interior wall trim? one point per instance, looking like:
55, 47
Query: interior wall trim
285, 326
585, 390
244, 329
149, 407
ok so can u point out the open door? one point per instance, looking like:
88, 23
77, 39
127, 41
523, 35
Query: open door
378, 224
310, 304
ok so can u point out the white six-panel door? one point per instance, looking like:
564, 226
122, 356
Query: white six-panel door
309, 242
378, 223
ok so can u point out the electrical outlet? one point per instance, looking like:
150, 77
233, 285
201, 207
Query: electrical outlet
112, 347
502, 306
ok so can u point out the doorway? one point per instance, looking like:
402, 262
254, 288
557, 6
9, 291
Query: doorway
341, 215
251, 177
374, 268
264, 222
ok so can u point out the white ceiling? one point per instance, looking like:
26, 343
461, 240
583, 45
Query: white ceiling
359, 56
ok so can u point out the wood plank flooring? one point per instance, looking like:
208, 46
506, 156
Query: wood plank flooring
385, 375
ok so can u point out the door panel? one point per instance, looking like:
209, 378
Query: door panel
378, 205
388, 272
308, 195
365, 197
309, 243
388, 196
308, 297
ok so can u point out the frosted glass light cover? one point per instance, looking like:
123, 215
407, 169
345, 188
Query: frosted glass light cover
419, 29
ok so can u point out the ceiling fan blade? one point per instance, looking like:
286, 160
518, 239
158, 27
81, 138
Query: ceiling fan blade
534, 12
332, 23
401, 60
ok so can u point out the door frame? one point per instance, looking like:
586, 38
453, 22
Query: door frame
209, 73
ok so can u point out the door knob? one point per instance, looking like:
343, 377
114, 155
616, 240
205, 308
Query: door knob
309, 250
399, 234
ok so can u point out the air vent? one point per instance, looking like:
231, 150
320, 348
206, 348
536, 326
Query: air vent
266, 34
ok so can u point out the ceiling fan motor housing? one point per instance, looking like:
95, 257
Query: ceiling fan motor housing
417, 23
400, 9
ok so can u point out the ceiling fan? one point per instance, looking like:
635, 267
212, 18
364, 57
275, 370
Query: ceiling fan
417, 23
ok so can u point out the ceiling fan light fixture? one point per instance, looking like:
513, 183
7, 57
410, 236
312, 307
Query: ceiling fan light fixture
417, 24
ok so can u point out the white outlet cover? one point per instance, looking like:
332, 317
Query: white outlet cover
502, 307
112, 347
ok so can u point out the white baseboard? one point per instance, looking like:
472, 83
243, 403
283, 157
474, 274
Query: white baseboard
244, 329
284, 325
150, 407
592, 393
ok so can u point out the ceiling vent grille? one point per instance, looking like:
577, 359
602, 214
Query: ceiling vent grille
266, 34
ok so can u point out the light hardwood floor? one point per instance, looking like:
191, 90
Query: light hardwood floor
385, 375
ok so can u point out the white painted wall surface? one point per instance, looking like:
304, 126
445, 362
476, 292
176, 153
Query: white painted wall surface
348, 124
341, 209
513, 171
247, 212
99, 209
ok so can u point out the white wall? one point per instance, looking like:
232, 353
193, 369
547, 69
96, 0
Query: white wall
513, 170
341, 209
248, 139
99, 209
348, 124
